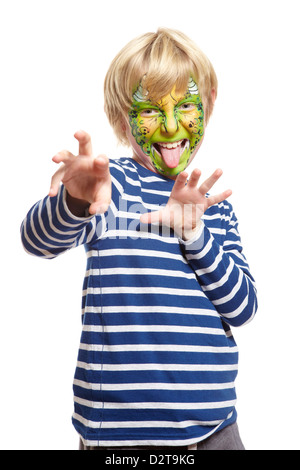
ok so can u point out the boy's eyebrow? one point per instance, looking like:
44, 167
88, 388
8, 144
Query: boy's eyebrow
186, 96
136, 104
160, 104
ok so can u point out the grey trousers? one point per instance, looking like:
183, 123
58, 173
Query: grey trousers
226, 439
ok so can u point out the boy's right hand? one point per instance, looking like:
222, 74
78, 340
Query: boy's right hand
86, 179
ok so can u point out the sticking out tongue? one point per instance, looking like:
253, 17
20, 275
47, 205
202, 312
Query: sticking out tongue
171, 157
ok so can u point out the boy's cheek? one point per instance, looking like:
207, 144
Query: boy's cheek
193, 123
142, 131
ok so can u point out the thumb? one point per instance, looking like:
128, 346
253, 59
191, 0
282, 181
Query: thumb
151, 217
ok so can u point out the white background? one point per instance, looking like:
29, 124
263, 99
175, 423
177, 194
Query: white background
54, 56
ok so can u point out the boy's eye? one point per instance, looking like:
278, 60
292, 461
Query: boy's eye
149, 112
187, 107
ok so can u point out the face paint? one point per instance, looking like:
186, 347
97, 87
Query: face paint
167, 132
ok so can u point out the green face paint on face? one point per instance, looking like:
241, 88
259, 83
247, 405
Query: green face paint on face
169, 131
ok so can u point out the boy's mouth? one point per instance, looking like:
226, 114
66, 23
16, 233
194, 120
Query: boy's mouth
171, 152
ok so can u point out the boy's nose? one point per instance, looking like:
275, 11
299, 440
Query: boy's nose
170, 124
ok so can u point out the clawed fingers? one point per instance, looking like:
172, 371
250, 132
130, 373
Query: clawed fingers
186, 190
63, 157
192, 183
101, 164
208, 184
180, 181
218, 198
85, 143
55, 181
194, 178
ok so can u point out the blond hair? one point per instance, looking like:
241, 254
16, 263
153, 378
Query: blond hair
157, 61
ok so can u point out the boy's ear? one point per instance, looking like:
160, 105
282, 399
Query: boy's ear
123, 125
213, 96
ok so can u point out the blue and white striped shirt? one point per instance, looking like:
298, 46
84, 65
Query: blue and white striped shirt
157, 360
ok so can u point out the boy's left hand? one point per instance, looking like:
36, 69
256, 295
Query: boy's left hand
187, 204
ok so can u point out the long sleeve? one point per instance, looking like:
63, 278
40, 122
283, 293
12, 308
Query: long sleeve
222, 270
50, 229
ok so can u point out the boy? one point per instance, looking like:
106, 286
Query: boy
166, 276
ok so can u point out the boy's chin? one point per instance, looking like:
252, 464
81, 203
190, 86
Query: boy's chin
164, 170
169, 172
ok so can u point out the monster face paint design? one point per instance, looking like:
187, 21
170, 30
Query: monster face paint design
167, 132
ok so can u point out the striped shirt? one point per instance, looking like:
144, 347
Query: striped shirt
157, 360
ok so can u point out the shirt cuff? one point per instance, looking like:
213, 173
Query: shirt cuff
68, 214
196, 242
